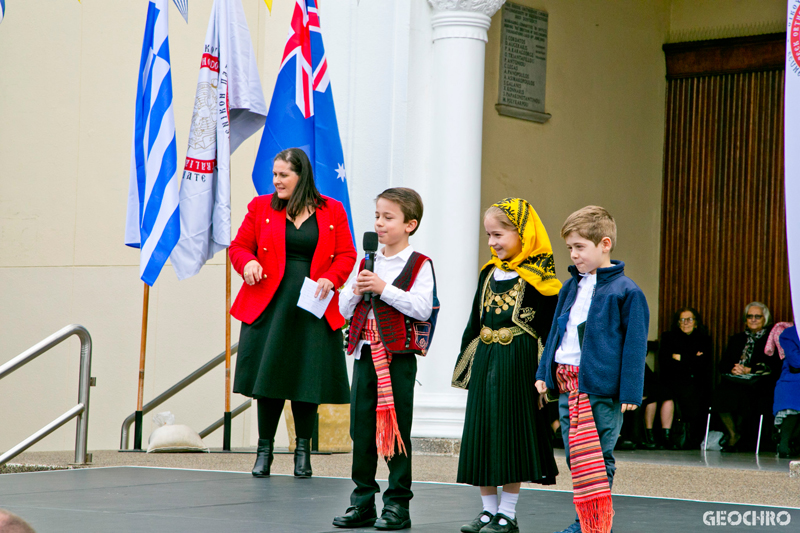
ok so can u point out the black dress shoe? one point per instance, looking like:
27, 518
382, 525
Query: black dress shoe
494, 526
357, 517
302, 458
477, 524
730, 448
727, 447
393, 517
264, 458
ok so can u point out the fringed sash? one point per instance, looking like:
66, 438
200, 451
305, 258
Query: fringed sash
591, 492
387, 432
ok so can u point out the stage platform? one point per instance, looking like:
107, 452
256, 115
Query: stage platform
136, 499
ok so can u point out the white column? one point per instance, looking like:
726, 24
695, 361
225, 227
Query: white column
459, 49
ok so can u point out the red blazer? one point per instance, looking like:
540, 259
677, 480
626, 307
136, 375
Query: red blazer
262, 237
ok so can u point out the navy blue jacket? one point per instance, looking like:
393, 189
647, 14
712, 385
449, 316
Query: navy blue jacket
614, 341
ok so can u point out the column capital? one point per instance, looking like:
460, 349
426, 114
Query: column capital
463, 19
486, 7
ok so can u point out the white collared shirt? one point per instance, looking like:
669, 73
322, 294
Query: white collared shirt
417, 302
502, 275
569, 353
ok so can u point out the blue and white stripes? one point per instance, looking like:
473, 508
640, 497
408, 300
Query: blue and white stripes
2, 9
183, 7
153, 222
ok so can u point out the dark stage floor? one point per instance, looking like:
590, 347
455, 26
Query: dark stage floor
135, 499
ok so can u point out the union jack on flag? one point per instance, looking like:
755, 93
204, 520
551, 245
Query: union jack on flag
301, 114
298, 46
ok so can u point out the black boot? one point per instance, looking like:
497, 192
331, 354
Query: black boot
788, 429
688, 440
263, 458
668, 444
302, 458
649, 442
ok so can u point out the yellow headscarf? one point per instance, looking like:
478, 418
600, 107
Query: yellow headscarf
535, 262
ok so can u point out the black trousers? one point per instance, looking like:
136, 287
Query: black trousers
363, 402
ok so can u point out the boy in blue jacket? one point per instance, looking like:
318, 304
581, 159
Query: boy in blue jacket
594, 361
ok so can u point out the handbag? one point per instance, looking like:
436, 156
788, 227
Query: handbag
742, 379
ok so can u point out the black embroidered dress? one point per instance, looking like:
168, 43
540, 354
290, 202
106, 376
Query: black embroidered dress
506, 438
288, 353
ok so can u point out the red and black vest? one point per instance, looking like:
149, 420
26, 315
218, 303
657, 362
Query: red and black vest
399, 333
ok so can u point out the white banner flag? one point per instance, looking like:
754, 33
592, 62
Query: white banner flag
229, 107
792, 150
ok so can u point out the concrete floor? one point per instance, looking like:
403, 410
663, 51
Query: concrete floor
735, 478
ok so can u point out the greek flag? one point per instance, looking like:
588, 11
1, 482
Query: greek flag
183, 7
2, 9
153, 222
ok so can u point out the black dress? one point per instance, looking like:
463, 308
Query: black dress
506, 438
747, 397
288, 353
689, 381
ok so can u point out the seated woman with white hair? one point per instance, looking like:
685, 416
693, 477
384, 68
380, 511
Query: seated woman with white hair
748, 377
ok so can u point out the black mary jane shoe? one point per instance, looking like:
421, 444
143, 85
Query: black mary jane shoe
511, 525
477, 524
393, 517
264, 458
357, 517
302, 458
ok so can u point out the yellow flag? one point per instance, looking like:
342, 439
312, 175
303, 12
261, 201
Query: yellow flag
269, 5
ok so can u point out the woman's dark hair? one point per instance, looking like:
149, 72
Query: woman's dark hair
305, 193
698, 320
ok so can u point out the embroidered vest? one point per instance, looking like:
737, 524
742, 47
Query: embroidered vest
399, 333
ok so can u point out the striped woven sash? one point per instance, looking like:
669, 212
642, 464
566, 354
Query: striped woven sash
591, 492
387, 432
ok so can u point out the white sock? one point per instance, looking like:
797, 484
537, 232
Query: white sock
490, 506
508, 506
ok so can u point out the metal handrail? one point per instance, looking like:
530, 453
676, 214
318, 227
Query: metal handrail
219, 423
172, 391
85, 381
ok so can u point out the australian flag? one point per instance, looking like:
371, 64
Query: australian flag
301, 113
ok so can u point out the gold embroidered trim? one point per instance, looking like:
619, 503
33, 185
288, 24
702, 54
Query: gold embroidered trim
463, 369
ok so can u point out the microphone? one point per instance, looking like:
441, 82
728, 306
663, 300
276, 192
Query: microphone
370, 246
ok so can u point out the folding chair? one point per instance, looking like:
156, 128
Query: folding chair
708, 425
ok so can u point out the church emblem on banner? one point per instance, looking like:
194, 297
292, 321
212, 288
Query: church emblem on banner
228, 108
794, 37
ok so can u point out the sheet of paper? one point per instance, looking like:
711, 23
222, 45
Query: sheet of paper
313, 305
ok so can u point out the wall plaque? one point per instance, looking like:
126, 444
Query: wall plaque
523, 63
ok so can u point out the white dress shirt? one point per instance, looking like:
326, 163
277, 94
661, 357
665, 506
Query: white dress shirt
417, 302
569, 353
502, 275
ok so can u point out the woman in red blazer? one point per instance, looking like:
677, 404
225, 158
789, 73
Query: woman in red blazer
285, 352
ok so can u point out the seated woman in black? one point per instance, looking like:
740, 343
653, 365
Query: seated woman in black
684, 367
748, 376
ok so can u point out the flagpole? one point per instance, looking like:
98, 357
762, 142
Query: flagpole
226, 429
226, 437
137, 435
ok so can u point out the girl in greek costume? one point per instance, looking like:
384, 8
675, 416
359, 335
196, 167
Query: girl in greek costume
506, 440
